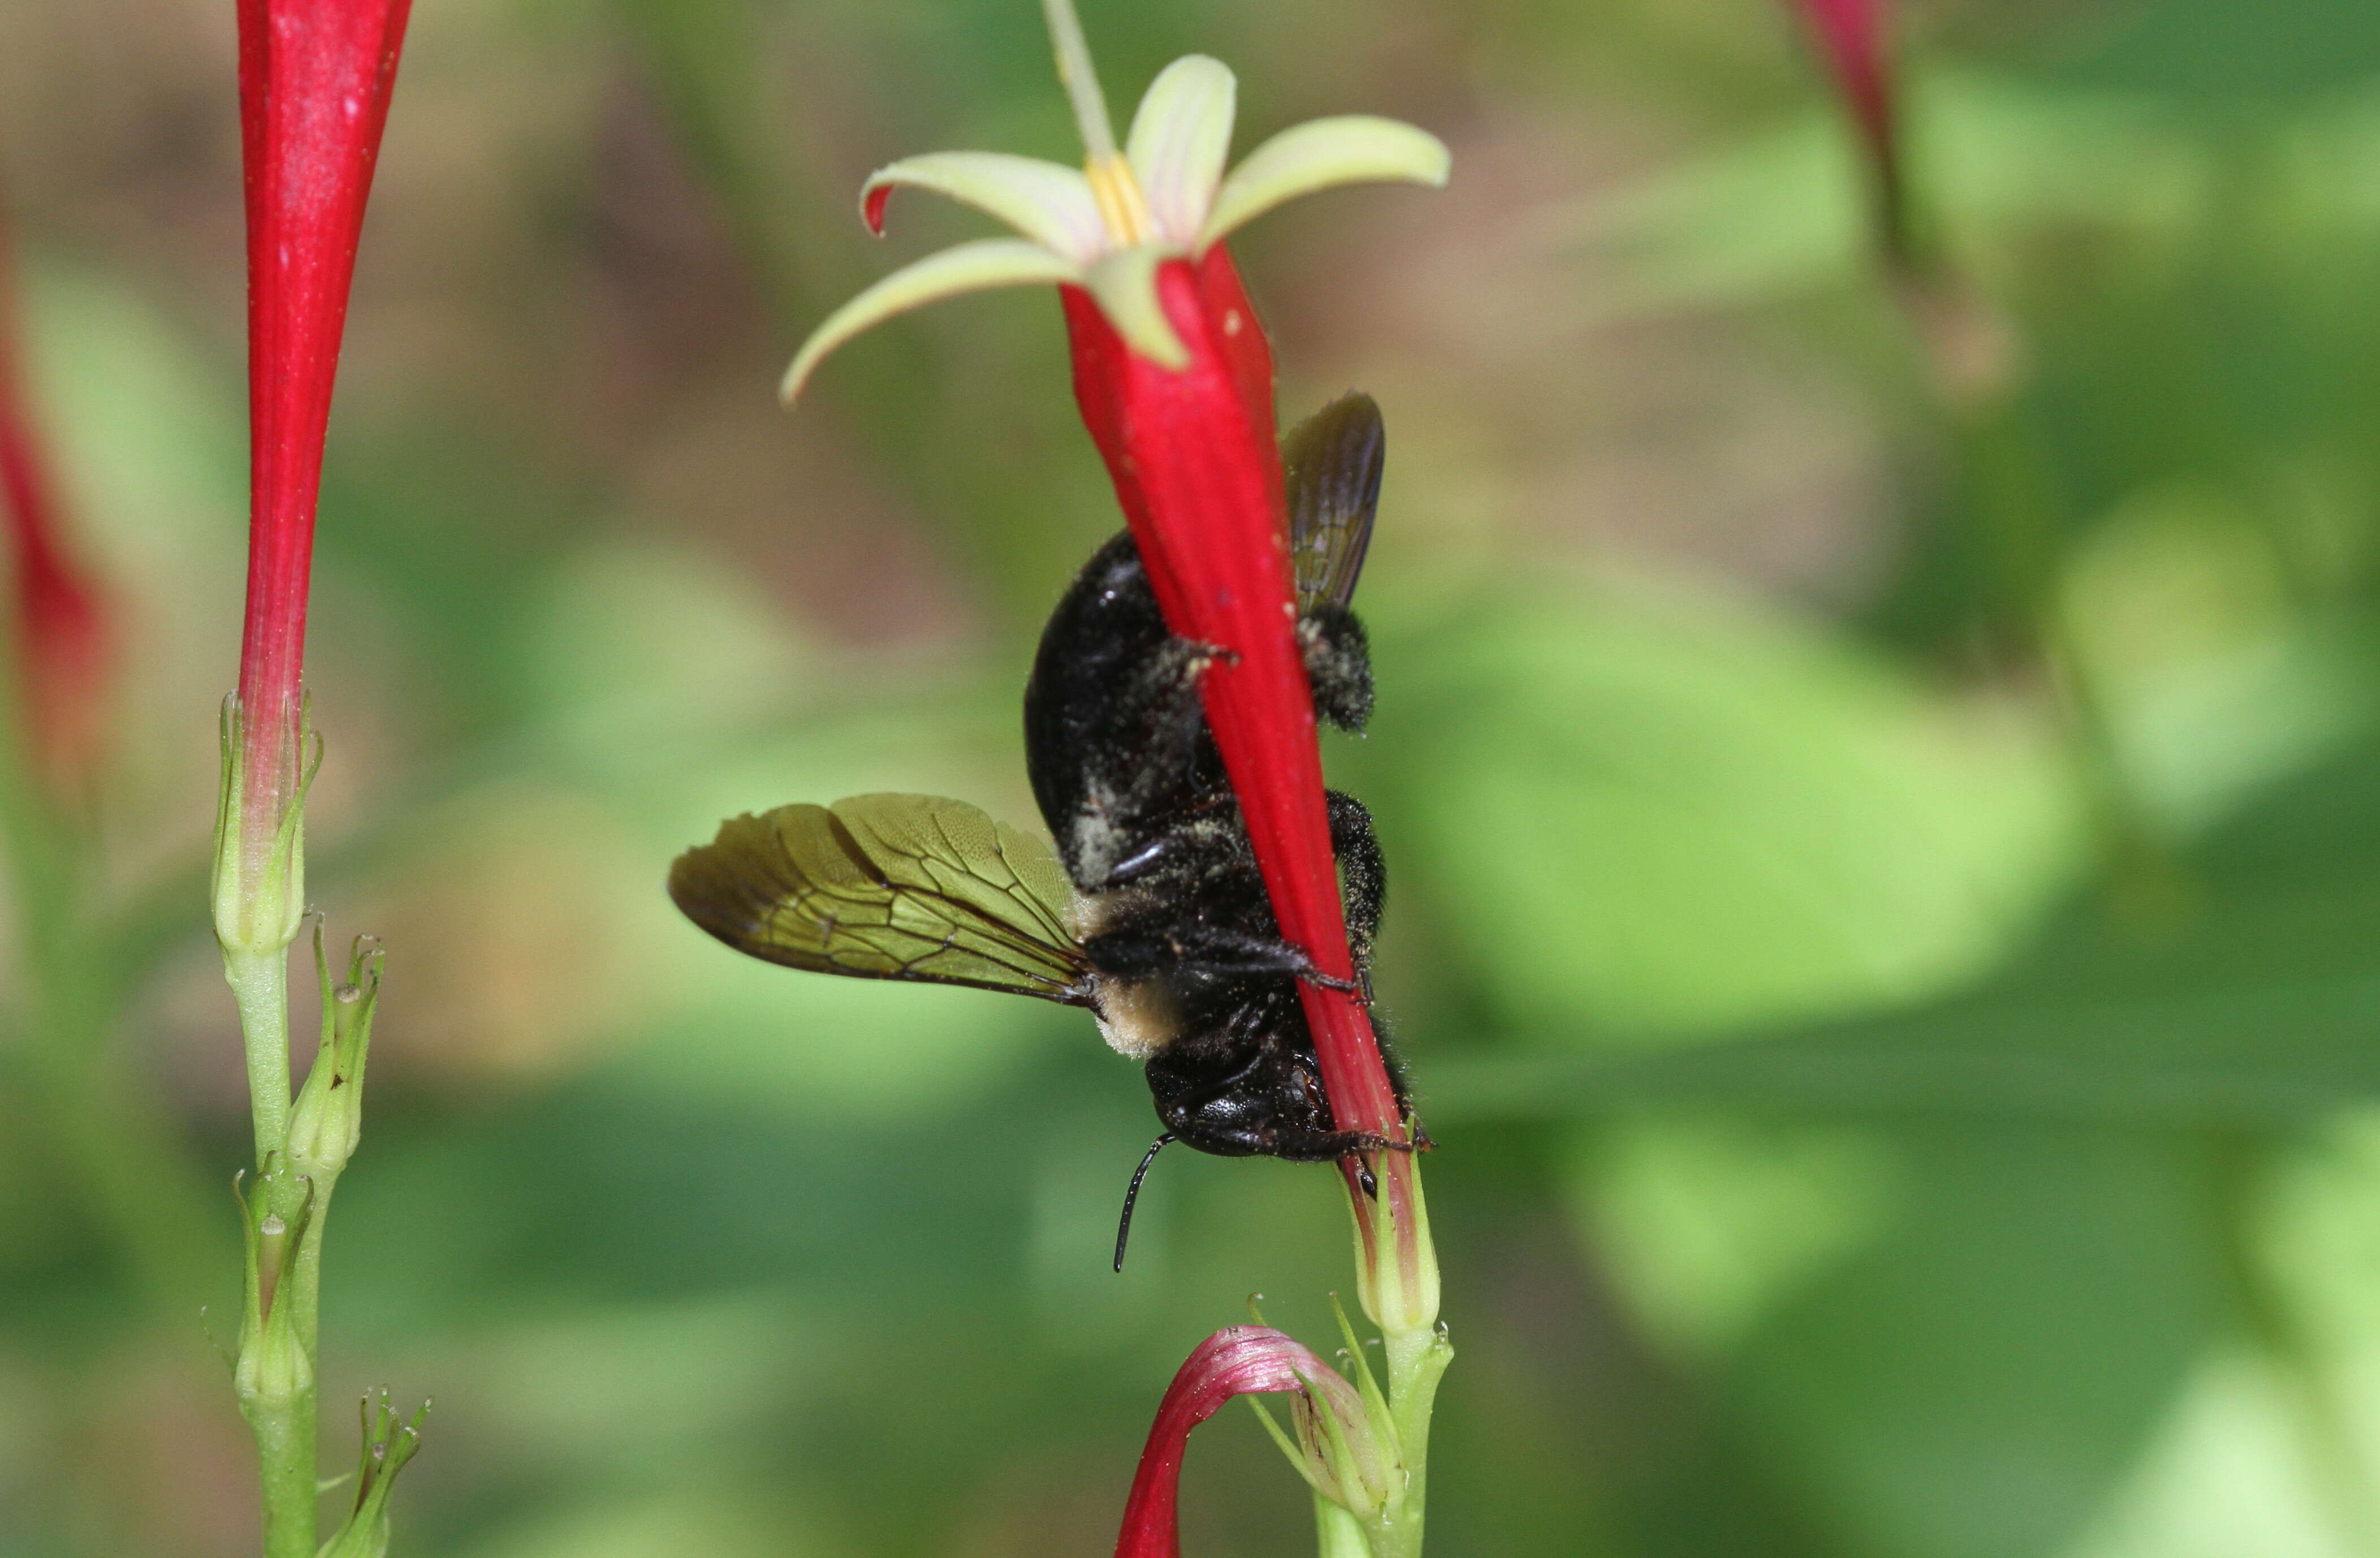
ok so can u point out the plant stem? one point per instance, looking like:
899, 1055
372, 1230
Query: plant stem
1417, 1360
281, 1409
260, 986
283, 1426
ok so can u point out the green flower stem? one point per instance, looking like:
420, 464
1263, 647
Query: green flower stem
277, 1397
283, 1426
260, 986
1416, 1361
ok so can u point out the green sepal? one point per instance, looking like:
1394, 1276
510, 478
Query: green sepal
1375, 1401
387, 1446
1288, 1449
260, 905
272, 1366
326, 1121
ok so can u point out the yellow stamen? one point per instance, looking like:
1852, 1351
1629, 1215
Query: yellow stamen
1122, 206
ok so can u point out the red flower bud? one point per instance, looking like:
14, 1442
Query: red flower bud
1237, 1361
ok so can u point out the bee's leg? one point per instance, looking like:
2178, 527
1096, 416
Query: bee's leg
1209, 949
1363, 873
1338, 666
1323, 1147
1304, 1135
1398, 1083
1271, 1104
1265, 1140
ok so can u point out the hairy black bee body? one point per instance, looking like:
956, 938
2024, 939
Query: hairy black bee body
1116, 743
1191, 974
1151, 910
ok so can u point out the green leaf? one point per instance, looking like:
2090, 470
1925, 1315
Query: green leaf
1665, 818
1784, 212
2252, 1005
1706, 1222
1973, 1385
2219, 53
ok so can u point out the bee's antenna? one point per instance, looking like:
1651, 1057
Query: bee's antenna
1123, 1226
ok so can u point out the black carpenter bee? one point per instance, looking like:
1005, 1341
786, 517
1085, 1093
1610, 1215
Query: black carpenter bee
1151, 912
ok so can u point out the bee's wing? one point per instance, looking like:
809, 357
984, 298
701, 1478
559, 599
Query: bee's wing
1332, 460
889, 887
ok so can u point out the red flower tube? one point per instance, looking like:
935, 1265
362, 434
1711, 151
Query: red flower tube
63, 641
314, 83
1342, 1453
1198, 472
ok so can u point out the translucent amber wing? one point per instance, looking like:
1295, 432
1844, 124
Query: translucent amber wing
1332, 460
889, 887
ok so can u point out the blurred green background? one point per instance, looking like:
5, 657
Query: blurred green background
1882, 791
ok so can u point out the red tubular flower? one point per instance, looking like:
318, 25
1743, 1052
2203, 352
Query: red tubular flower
1244, 1360
63, 641
314, 83
1174, 380
1854, 36
1198, 472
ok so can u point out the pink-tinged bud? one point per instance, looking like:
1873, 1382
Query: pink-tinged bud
314, 83
63, 642
1396, 1261
1855, 36
1196, 470
1342, 1453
